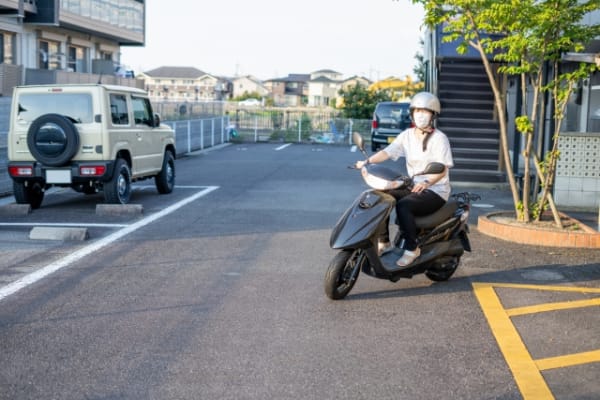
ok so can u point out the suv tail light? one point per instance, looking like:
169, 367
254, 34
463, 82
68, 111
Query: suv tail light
92, 170
375, 124
20, 170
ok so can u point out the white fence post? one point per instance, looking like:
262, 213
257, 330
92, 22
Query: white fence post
222, 130
350, 133
300, 130
189, 135
201, 134
212, 132
256, 128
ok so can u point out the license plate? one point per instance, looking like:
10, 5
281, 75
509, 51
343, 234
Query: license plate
391, 139
58, 176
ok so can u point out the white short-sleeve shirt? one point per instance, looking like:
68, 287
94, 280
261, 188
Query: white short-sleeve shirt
409, 144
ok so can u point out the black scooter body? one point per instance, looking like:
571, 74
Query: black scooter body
443, 236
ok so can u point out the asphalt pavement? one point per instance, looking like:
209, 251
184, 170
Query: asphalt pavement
251, 289
493, 198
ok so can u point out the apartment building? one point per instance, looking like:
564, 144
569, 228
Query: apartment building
66, 41
184, 84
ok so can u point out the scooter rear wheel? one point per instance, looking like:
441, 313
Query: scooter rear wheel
342, 273
444, 269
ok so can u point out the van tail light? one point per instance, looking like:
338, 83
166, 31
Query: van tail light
92, 170
412, 124
18, 171
375, 124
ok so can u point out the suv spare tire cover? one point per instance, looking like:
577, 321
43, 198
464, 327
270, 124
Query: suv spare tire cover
53, 139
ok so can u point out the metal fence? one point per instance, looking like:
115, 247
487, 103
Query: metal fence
261, 126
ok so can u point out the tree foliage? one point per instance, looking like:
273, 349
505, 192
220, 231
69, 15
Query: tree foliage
527, 39
359, 102
420, 69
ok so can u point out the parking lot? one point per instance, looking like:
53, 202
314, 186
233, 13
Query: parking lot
217, 289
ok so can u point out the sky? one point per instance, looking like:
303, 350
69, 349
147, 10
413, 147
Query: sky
271, 39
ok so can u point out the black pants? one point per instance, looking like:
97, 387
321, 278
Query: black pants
408, 206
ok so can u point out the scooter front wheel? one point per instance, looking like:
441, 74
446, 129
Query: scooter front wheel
342, 273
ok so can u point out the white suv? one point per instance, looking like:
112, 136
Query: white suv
87, 137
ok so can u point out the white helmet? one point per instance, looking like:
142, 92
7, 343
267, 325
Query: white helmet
427, 101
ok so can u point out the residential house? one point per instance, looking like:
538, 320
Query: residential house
291, 91
348, 83
321, 91
355, 80
184, 84
62, 41
248, 84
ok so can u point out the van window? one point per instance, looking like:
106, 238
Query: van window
141, 111
76, 106
393, 110
118, 109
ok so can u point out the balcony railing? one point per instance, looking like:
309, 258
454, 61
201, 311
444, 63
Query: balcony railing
47, 77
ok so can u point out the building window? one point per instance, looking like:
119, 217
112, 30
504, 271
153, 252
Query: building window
125, 14
7, 47
48, 57
77, 59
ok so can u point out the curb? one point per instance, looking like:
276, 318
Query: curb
585, 238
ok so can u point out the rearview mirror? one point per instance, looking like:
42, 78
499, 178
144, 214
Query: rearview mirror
433, 168
358, 141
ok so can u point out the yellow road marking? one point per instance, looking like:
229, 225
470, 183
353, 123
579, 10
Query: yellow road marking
530, 381
565, 305
526, 370
568, 360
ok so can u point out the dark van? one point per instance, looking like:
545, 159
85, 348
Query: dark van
389, 119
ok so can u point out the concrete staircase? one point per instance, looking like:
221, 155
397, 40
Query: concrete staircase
467, 119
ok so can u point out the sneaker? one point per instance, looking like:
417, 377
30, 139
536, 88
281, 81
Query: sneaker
384, 247
408, 257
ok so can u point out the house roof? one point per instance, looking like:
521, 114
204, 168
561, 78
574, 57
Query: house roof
357, 78
292, 78
248, 77
175, 72
325, 71
323, 79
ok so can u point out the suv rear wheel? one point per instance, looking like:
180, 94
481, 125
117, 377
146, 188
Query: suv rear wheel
118, 189
31, 193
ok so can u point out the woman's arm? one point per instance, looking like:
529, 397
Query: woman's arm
376, 158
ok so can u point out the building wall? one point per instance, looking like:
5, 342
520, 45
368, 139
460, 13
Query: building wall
577, 175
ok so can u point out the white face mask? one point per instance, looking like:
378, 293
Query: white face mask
422, 119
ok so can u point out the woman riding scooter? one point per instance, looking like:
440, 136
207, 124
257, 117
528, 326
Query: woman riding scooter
420, 146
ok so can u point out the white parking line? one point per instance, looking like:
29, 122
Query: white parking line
41, 273
61, 224
282, 147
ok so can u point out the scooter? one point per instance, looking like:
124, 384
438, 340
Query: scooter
442, 236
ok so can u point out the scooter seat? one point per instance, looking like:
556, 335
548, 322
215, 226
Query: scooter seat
441, 215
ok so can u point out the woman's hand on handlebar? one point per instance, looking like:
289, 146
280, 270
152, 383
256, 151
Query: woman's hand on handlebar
419, 187
359, 164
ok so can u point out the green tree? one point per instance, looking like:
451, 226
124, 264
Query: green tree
527, 38
421, 68
359, 102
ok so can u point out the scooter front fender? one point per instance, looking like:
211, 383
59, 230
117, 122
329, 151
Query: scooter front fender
362, 221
